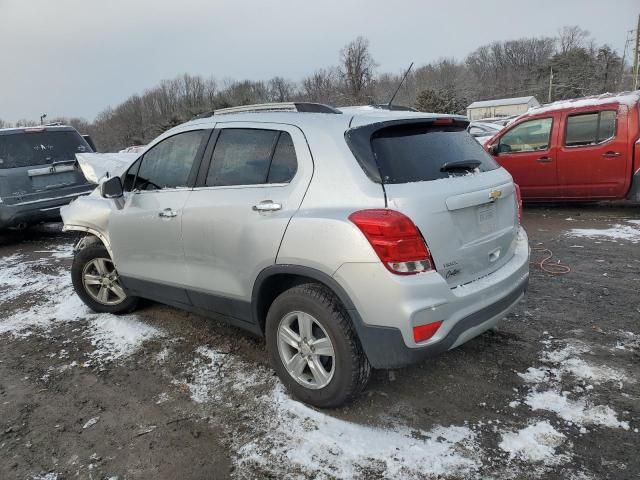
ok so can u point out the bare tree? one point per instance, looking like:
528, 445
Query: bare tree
281, 89
571, 37
321, 86
357, 69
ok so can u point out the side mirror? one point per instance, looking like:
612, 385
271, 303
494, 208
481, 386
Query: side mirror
493, 149
111, 188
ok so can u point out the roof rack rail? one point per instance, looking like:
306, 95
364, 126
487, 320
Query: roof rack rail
306, 107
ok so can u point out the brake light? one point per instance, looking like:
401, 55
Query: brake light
34, 129
395, 239
425, 332
443, 121
518, 202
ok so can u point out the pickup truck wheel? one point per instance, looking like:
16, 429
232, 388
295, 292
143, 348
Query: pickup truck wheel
96, 282
313, 347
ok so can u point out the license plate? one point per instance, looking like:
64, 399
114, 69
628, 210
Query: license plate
43, 182
487, 217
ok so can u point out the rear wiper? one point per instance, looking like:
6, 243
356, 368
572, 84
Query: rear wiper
460, 166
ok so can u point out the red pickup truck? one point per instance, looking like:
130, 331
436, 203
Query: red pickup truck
583, 149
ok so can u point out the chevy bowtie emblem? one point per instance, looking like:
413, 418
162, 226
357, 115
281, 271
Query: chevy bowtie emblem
494, 195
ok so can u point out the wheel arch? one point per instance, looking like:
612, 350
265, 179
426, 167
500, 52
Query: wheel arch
274, 280
91, 232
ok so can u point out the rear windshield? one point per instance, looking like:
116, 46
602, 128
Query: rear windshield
40, 148
416, 153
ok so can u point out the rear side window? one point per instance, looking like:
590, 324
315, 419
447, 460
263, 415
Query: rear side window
416, 153
169, 163
244, 156
284, 164
530, 136
40, 148
590, 128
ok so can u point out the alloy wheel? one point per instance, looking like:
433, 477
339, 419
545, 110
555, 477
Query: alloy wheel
101, 282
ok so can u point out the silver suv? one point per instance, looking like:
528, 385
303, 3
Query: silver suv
349, 241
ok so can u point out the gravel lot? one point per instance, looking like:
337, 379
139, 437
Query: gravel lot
553, 393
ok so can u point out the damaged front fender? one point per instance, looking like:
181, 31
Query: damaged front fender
89, 214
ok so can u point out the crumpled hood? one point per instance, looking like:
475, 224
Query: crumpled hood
97, 166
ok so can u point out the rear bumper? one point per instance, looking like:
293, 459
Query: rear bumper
38, 210
387, 307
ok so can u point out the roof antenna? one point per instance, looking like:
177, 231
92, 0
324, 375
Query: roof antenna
400, 85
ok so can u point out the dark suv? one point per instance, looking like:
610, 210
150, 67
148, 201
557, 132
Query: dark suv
39, 173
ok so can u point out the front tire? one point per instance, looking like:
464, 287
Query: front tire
313, 347
97, 283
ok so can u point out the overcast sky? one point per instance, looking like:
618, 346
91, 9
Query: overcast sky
77, 57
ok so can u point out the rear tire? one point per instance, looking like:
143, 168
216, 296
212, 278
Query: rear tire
313, 347
96, 282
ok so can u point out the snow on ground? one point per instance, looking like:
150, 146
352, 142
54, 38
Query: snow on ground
290, 434
534, 443
116, 337
574, 411
51, 301
565, 360
630, 232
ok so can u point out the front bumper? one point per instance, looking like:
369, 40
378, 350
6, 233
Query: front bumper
39, 210
387, 307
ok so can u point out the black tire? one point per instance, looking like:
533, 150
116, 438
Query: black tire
351, 371
81, 259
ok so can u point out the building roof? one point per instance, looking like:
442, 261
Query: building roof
502, 101
626, 98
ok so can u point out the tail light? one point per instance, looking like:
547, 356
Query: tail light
395, 239
518, 202
425, 332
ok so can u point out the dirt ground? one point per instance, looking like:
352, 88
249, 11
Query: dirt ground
162, 394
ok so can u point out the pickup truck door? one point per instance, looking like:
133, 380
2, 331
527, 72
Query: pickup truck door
146, 234
593, 155
527, 151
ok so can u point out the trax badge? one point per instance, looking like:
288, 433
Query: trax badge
494, 195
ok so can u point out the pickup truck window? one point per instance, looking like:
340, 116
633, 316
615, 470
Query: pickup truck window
590, 128
529, 136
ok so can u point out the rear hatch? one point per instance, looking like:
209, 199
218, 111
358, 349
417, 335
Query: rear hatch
39, 162
434, 172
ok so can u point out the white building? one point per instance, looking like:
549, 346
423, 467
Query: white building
504, 107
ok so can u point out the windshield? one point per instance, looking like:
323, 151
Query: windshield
415, 153
40, 148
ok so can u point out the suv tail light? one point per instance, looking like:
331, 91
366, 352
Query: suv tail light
395, 239
518, 202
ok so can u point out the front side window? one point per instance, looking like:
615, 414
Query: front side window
528, 136
130, 177
590, 128
169, 163
244, 156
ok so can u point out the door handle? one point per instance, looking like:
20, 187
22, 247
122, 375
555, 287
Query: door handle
611, 154
167, 213
545, 160
267, 206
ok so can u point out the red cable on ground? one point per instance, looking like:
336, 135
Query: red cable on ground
551, 268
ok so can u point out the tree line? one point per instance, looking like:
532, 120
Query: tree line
501, 69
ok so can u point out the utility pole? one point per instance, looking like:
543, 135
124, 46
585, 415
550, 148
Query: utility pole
635, 56
624, 58
550, 84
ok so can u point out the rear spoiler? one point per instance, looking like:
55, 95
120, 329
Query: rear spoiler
97, 166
